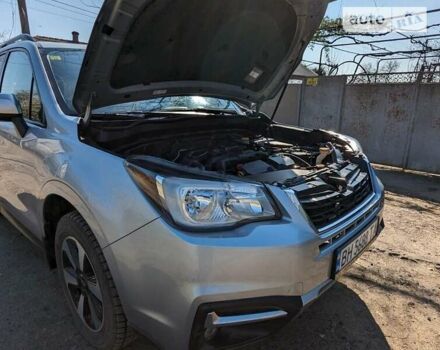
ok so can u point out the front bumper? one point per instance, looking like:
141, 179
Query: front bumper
247, 320
169, 281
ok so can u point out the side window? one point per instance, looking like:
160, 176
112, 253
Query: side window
18, 79
36, 111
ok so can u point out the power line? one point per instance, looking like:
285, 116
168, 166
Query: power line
65, 9
382, 59
411, 52
413, 41
351, 52
13, 19
45, 11
372, 46
379, 56
57, 14
336, 48
370, 43
359, 42
88, 5
405, 58
73, 6
317, 63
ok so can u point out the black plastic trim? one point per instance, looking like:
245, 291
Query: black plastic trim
240, 335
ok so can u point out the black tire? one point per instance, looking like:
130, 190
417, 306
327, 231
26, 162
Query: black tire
106, 327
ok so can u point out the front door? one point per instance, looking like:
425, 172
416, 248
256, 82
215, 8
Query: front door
19, 177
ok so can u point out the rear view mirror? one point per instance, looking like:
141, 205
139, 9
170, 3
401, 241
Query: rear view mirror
10, 111
9, 107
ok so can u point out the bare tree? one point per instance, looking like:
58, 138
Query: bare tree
430, 58
389, 67
369, 68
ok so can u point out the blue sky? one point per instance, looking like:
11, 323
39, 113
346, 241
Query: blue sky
59, 18
335, 10
47, 17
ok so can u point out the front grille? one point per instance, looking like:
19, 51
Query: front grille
347, 230
324, 204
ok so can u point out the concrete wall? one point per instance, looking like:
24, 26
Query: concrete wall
379, 117
397, 124
314, 109
424, 147
289, 110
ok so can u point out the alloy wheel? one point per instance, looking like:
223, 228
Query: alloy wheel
82, 284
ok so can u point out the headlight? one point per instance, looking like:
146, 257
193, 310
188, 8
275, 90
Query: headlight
205, 204
351, 141
354, 144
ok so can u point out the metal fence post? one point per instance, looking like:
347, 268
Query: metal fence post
412, 123
301, 94
341, 106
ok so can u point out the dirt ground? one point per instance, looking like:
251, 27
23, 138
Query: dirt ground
399, 278
390, 298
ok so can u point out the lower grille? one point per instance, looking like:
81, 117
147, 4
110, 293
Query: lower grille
324, 204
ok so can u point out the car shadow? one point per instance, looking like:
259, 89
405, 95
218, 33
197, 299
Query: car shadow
34, 315
338, 320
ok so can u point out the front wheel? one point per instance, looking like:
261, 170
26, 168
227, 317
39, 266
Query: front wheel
88, 285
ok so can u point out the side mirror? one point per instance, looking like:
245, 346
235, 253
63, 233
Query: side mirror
10, 111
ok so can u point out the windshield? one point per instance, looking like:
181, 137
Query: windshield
65, 65
173, 103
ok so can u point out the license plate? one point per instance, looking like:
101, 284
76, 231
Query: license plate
354, 248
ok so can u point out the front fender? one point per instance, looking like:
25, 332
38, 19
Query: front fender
59, 188
97, 184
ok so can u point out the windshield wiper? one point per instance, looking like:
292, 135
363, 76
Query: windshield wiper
134, 114
168, 113
217, 111
201, 110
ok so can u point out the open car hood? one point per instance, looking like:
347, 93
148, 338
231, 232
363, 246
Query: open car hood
242, 50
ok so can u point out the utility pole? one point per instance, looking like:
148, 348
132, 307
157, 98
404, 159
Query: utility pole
24, 20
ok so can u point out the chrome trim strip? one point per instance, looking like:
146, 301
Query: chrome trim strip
340, 235
352, 216
215, 321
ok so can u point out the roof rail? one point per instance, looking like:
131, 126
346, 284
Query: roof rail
21, 37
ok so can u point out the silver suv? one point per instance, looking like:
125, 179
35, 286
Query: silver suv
168, 203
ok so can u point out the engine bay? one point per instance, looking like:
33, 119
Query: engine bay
255, 157
328, 176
